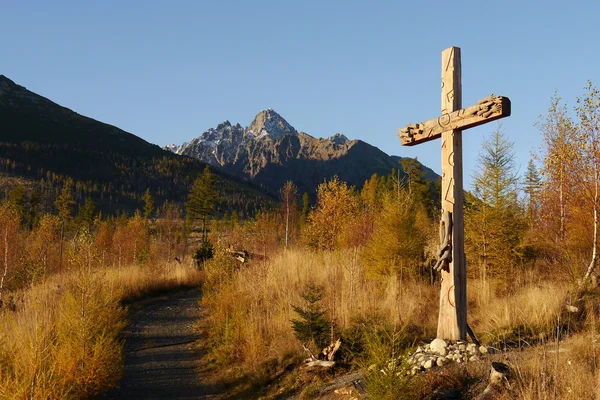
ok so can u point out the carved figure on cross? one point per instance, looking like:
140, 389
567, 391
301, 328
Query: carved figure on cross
452, 320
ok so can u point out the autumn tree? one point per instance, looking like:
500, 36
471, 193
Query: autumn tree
169, 226
418, 186
587, 161
104, 238
337, 204
10, 245
558, 131
18, 200
305, 209
64, 204
289, 208
43, 249
148, 203
399, 236
370, 193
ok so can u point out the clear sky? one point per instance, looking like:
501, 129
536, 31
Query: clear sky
168, 70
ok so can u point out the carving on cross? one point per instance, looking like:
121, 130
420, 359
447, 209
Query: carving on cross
445, 247
486, 110
452, 321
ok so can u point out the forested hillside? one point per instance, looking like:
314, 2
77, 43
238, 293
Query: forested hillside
51, 147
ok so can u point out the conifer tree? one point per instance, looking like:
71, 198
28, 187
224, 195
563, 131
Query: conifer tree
493, 223
313, 326
17, 201
202, 199
532, 184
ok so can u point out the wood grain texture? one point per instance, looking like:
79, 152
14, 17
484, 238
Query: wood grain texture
452, 320
486, 110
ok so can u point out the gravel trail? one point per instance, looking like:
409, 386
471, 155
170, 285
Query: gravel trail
160, 361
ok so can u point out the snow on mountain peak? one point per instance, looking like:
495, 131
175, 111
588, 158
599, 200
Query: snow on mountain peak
269, 123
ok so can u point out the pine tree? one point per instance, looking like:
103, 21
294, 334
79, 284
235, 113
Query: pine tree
532, 184
88, 212
313, 326
17, 201
202, 199
493, 222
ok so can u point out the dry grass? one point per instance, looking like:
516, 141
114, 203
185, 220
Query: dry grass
568, 371
62, 341
249, 312
529, 311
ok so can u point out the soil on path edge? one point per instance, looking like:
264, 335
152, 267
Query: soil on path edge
160, 359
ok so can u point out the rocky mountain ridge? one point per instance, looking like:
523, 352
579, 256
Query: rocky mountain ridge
270, 151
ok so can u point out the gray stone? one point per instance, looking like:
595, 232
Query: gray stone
473, 358
428, 364
437, 345
472, 348
440, 361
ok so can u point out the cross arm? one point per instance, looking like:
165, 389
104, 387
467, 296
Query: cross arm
486, 110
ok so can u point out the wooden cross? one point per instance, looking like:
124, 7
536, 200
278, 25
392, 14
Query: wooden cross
452, 320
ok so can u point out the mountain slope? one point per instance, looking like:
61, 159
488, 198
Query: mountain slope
270, 151
50, 144
25, 115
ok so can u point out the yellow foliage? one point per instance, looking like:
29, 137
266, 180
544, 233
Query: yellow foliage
337, 205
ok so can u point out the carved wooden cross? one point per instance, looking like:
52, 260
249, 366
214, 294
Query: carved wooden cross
452, 321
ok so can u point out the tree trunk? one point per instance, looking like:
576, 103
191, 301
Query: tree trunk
5, 262
562, 208
287, 222
592, 265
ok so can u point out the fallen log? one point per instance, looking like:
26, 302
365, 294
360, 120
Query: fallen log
240, 255
329, 352
325, 359
320, 364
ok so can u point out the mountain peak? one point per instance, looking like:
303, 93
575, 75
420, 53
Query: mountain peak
339, 138
224, 124
269, 123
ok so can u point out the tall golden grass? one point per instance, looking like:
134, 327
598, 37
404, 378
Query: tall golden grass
62, 340
249, 309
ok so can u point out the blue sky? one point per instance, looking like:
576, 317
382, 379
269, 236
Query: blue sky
168, 70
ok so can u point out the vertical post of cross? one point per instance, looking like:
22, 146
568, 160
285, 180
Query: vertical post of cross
452, 321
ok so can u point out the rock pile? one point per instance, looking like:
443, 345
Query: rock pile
438, 353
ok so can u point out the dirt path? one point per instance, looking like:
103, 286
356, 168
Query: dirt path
160, 361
